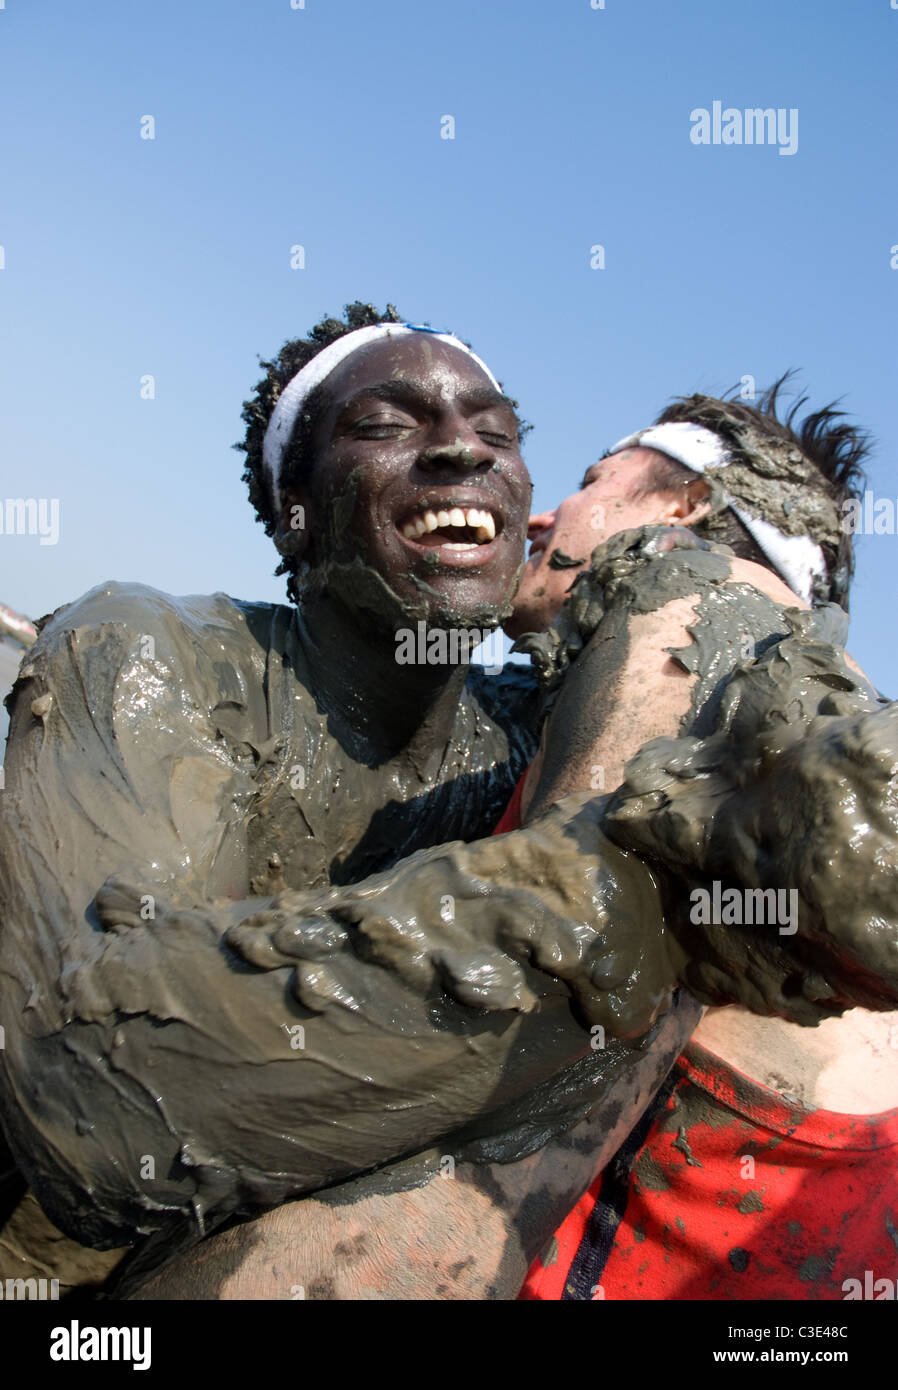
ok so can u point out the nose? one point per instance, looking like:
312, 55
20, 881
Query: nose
457, 446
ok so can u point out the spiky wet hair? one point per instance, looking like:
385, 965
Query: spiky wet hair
833, 450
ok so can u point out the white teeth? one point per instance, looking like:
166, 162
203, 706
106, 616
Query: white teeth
481, 522
459, 545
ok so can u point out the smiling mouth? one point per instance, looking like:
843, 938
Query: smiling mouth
452, 528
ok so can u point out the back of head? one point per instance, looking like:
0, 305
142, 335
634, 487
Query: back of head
794, 475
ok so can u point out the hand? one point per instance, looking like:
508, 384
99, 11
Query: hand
496, 926
794, 792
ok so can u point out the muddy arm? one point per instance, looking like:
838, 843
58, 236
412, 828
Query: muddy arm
152, 1072
435, 1227
780, 781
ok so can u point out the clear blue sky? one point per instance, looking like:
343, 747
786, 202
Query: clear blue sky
321, 127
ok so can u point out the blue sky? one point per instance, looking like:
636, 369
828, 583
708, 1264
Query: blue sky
321, 127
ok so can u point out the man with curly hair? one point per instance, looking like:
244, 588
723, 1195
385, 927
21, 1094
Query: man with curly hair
252, 773
204, 803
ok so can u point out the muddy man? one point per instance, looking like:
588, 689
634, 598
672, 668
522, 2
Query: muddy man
230, 827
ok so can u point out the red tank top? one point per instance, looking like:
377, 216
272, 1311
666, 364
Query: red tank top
724, 1190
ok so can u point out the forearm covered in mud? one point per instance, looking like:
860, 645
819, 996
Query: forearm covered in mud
185, 1082
153, 1072
436, 1227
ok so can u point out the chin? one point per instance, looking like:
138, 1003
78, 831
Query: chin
444, 614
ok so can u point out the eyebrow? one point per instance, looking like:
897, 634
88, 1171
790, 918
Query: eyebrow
408, 391
586, 480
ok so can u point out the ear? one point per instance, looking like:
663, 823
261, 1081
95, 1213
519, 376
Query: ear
687, 505
292, 534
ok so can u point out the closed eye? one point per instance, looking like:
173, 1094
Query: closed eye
380, 426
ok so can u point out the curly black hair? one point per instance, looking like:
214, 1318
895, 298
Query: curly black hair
831, 453
257, 412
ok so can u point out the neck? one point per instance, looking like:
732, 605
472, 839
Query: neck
377, 708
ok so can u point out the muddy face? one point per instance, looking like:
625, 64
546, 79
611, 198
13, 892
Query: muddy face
418, 474
612, 498
606, 502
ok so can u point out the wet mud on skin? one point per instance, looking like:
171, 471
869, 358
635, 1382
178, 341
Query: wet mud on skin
150, 1073
448, 996
783, 777
348, 577
524, 1200
559, 561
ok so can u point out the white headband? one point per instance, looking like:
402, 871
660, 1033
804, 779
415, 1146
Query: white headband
798, 559
298, 390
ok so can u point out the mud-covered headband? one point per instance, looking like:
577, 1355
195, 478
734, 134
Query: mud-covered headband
797, 559
300, 387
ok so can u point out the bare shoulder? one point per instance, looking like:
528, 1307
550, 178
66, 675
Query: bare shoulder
759, 577
845, 1064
